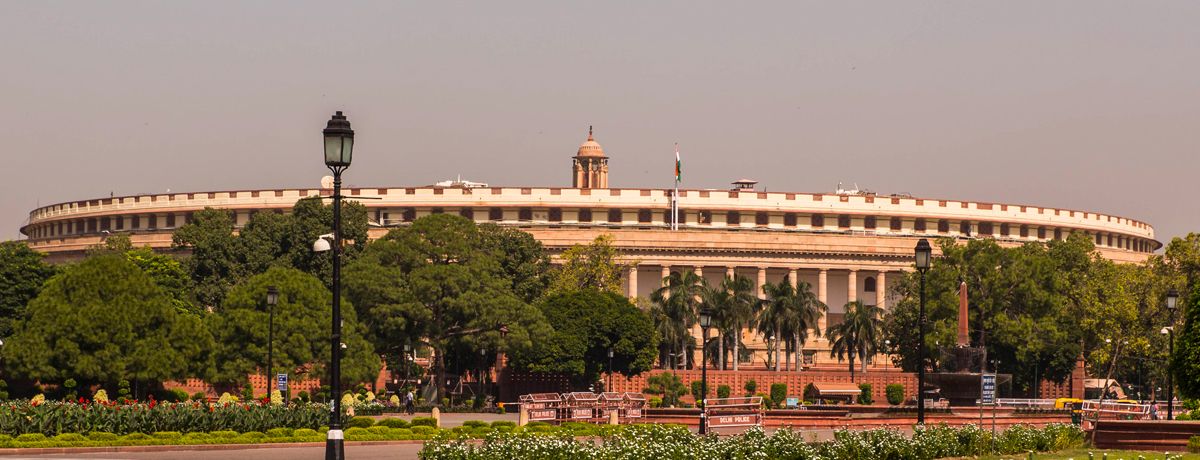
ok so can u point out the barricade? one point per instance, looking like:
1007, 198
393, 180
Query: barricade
609, 402
733, 412
541, 407
580, 406
632, 405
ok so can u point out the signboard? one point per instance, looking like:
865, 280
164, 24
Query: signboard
987, 389
633, 413
281, 382
793, 401
542, 414
581, 413
718, 421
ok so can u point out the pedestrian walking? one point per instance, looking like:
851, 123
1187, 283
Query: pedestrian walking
408, 402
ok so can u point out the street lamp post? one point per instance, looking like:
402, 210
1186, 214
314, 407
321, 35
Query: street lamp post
705, 323
339, 148
1172, 298
923, 254
272, 298
610, 357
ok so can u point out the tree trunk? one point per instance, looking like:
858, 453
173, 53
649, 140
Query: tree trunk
851, 365
799, 355
778, 339
721, 350
737, 339
439, 385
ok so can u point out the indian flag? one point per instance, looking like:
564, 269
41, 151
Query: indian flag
678, 164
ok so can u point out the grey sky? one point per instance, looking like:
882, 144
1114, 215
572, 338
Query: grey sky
1085, 105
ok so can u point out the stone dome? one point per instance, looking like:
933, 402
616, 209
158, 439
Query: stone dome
590, 148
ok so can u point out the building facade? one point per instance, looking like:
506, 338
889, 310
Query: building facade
847, 246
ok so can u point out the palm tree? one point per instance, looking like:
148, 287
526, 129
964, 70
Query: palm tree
743, 305
789, 312
719, 303
858, 333
671, 333
680, 300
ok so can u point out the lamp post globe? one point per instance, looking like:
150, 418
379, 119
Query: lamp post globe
923, 255
339, 151
339, 142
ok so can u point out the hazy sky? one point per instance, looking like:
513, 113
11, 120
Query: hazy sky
1086, 105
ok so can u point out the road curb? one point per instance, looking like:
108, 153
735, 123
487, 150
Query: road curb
179, 447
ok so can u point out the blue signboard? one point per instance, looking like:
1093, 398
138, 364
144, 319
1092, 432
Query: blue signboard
281, 382
987, 389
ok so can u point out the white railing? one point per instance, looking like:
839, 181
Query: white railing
1026, 403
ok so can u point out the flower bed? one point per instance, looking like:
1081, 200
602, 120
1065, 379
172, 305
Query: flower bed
52, 418
656, 442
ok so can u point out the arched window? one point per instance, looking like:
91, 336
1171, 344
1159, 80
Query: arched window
869, 284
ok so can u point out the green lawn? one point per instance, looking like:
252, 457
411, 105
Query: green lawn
1097, 454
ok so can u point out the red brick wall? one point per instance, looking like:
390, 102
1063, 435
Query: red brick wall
796, 381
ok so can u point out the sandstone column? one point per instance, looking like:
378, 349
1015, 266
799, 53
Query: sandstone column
881, 289
697, 354
822, 284
633, 287
792, 277
762, 279
852, 286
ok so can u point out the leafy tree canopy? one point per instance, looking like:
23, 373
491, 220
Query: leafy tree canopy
22, 273
591, 266
586, 325
303, 320
104, 320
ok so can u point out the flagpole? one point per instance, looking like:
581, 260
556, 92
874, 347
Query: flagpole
675, 196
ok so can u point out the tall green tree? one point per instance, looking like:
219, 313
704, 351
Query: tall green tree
591, 266
213, 263
303, 322
680, 298
1182, 258
522, 260
453, 295
104, 320
858, 333
734, 305
790, 313
22, 274
587, 324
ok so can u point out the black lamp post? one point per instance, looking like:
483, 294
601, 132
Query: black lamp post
1172, 298
610, 357
705, 323
272, 298
339, 148
923, 253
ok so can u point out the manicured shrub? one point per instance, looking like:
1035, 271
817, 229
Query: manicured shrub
1194, 444
424, 421
135, 437
723, 391
305, 433
500, 423
280, 432
252, 436
380, 430
356, 431
200, 396
698, 392
474, 423
895, 394
224, 434
866, 396
810, 392
196, 438
401, 431
751, 386
175, 395
361, 422
778, 393
70, 437
423, 429
31, 437
393, 423
168, 435
101, 436
302, 396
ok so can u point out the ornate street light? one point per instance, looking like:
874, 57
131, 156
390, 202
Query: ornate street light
272, 299
339, 150
705, 323
923, 254
1172, 298
610, 376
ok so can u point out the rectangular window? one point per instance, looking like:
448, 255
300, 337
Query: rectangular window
1041, 233
985, 228
1024, 231
943, 226
896, 224
495, 214
964, 227
733, 218
843, 221
1058, 233
1004, 229
585, 215
1109, 240
468, 213
1097, 239
818, 220
614, 216
644, 216
524, 214
789, 219
704, 217
869, 222
437, 210
105, 223
171, 220
135, 221
410, 214
120, 224
152, 221
761, 219
919, 225
555, 215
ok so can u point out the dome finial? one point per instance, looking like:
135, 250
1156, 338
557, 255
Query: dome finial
590, 132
